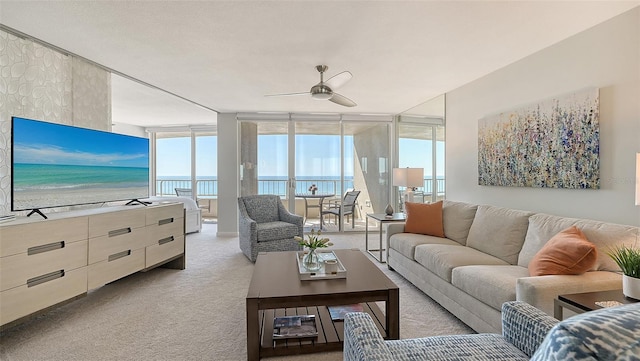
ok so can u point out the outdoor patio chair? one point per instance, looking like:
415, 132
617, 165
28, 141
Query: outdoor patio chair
348, 208
265, 225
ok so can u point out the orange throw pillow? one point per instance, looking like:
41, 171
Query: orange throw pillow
424, 218
567, 253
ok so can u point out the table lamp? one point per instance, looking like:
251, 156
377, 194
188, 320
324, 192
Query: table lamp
410, 178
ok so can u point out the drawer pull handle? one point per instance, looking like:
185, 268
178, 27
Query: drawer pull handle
45, 248
45, 278
165, 221
119, 232
166, 240
119, 255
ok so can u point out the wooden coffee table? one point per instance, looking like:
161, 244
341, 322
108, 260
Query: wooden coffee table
276, 290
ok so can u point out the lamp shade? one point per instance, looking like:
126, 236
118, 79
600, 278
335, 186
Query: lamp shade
637, 179
400, 177
408, 177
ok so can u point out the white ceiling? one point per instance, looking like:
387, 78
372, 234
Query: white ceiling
226, 55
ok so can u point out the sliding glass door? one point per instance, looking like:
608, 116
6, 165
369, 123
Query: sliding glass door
312, 164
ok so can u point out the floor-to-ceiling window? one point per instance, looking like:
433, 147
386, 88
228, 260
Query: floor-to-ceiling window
186, 159
311, 162
173, 162
421, 144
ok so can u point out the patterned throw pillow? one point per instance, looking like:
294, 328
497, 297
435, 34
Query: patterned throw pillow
607, 334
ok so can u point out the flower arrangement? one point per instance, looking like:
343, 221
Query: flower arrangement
313, 188
313, 240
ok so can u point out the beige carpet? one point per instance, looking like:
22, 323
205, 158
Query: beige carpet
194, 314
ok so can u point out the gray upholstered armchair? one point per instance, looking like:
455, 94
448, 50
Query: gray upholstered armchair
266, 226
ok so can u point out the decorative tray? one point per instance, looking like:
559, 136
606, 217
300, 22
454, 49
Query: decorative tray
306, 275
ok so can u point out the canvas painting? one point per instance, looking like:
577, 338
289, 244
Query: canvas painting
552, 144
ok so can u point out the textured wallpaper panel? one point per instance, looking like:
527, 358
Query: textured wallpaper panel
37, 82
91, 96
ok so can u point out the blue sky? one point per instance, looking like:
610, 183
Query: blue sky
38, 142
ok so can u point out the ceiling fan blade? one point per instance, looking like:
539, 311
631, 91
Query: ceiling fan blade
342, 100
287, 94
338, 80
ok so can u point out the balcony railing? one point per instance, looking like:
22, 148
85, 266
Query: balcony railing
209, 187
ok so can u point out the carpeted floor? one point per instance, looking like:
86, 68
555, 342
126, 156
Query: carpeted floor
194, 314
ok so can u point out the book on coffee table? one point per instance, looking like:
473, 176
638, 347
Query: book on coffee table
337, 312
301, 326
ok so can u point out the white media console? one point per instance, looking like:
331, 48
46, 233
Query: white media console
47, 262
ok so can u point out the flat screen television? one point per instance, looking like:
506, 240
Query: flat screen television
56, 165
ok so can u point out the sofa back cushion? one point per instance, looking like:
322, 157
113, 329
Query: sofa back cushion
542, 227
456, 220
607, 334
499, 232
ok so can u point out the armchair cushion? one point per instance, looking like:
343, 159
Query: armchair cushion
609, 334
262, 209
270, 231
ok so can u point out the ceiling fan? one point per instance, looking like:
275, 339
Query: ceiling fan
324, 89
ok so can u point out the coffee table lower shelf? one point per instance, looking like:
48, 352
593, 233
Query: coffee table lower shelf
330, 333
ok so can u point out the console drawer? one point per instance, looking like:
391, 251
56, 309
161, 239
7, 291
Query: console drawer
116, 222
16, 270
15, 239
156, 233
164, 249
24, 300
161, 215
101, 248
121, 264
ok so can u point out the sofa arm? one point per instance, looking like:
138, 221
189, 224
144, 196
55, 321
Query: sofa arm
540, 291
394, 228
362, 341
525, 326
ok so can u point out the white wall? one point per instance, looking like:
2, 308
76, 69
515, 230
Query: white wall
129, 129
606, 56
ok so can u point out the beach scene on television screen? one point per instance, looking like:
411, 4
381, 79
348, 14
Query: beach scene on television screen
56, 165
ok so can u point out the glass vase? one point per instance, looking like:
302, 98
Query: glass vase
310, 261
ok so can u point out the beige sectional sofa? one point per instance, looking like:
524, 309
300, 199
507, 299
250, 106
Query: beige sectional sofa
482, 261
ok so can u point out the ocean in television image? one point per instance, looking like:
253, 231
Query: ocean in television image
56, 165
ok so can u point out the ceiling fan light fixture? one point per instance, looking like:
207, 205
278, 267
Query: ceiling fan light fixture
321, 92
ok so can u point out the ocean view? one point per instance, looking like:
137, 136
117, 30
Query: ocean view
208, 185
48, 185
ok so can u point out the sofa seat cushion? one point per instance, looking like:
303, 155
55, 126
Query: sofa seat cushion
405, 243
441, 259
542, 227
499, 232
271, 231
609, 334
493, 285
477, 347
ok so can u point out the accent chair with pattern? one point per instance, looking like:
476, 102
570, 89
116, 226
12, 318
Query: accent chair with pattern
265, 225
527, 333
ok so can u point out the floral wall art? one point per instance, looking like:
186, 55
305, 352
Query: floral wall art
552, 144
